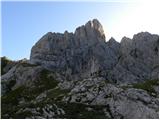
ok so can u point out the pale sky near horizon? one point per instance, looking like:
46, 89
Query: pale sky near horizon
24, 23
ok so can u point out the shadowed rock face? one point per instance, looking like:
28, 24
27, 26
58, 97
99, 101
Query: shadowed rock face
85, 53
138, 59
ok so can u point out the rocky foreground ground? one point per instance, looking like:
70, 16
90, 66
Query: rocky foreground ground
80, 75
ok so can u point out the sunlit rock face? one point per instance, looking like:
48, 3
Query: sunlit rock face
85, 53
90, 33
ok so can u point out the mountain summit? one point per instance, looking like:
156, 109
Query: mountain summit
80, 75
85, 53
91, 31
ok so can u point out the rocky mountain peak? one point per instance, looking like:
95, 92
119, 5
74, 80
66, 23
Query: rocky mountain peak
114, 45
145, 38
96, 25
125, 40
79, 75
90, 33
86, 53
142, 34
112, 41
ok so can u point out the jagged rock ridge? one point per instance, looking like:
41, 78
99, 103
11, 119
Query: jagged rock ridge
86, 53
79, 75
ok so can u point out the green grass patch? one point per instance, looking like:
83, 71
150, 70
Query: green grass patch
22, 115
44, 82
80, 111
13, 96
25, 64
10, 102
8, 85
147, 85
57, 94
4, 62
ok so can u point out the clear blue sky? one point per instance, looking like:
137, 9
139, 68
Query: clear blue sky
24, 23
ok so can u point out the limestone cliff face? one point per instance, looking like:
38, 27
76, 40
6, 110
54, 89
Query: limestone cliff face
138, 59
90, 33
85, 53
82, 53
80, 75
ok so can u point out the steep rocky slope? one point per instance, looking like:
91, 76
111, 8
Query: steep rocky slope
85, 53
79, 75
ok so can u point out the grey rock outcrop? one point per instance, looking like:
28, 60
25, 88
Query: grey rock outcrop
130, 103
19, 75
85, 53
138, 59
6, 65
80, 75
90, 33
